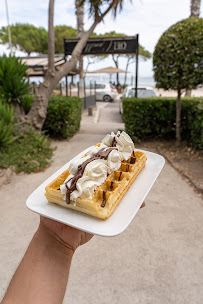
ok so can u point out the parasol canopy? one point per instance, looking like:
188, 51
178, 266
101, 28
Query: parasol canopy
109, 70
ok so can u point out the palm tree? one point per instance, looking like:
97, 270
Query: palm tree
98, 9
195, 8
80, 29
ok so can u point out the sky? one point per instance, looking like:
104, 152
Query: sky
149, 18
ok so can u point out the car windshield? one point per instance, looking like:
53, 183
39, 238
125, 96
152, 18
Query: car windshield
141, 93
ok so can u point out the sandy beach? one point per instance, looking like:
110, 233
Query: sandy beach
171, 93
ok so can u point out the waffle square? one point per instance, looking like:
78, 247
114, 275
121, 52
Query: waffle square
107, 196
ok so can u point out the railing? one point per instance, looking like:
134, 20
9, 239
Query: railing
83, 89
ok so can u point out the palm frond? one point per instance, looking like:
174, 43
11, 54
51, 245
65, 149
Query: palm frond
96, 7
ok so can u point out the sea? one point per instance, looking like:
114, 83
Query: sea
142, 81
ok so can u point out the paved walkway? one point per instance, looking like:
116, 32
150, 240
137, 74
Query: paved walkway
158, 259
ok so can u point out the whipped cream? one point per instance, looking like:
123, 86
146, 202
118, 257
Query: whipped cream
124, 143
94, 175
96, 171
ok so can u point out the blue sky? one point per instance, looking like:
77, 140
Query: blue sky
149, 18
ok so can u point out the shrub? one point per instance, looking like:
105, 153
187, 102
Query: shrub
13, 84
156, 118
7, 124
63, 116
195, 125
31, 152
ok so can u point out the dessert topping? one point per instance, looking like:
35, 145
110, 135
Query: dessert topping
89, 172
71, 183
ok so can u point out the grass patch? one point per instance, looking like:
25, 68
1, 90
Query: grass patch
31, 152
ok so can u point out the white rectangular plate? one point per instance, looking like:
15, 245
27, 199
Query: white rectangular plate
124, 212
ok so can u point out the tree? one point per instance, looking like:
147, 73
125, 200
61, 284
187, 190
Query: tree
178, 59
26, 37
31, 39
92, 59
61, 32
195, 8
144, 54
98, 10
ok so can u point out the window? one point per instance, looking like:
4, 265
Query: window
141, 93
100, 86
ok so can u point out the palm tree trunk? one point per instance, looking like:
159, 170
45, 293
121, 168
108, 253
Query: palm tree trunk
51, 43
195, 8
194, 12
80, 30
178, 118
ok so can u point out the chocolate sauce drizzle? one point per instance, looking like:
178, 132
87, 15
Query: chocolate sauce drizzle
101, 154
111, 187
133, 160
104, 199
114, 142
119, 178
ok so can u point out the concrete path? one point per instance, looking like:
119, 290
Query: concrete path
158, 259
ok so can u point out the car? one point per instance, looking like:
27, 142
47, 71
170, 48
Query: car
141, 92
106, 92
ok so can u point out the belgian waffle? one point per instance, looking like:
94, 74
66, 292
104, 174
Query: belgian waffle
107, 196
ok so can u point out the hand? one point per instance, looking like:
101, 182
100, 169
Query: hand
70, 237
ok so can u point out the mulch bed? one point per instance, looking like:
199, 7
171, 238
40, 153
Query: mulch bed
186, 160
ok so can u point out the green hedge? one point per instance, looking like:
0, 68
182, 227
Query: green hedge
155, 118
63, 115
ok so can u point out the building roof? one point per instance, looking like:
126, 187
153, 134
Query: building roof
38, 65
